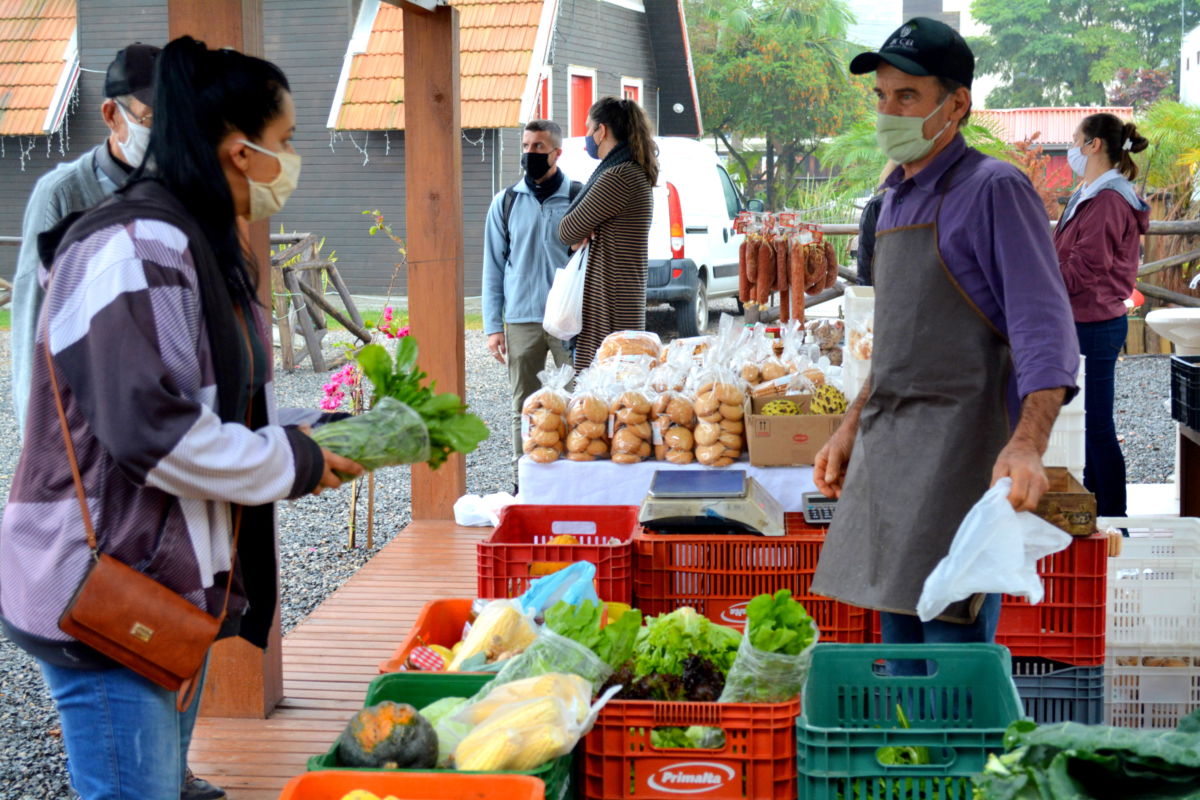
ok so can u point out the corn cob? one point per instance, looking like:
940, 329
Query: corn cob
539, 745
491, 753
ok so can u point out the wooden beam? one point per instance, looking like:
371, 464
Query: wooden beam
433, 199
1170, 261
243, 681
1159, 293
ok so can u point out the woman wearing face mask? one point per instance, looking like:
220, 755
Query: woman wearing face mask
1097, 241
161, 360
612, 215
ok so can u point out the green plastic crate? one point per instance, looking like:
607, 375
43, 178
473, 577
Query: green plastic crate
957, 714
419, 689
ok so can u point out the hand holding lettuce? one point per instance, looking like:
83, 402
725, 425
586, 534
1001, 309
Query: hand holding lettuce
408, 422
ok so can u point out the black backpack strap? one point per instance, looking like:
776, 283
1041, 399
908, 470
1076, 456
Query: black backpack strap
573, 192
510, 197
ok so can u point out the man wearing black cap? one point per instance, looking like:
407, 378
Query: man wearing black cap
975, 351
78, 185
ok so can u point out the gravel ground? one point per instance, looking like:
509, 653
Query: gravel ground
314, 533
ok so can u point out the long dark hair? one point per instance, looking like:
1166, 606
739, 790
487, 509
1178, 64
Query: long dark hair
629, 125
200, 95
1115, 133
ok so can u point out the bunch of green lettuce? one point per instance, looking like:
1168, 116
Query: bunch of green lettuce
668, 639
384, 436
1069, 761
613, 643
778, 624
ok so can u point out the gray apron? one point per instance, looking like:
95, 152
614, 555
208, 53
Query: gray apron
934, 423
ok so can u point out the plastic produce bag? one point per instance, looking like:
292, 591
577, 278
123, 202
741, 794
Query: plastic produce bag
564, 304
391, 433
471, 510
544, 415
761, 677
500, 629
522, 727
551, 652
996, 549
573, 584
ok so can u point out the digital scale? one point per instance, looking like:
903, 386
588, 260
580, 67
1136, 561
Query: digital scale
710, 501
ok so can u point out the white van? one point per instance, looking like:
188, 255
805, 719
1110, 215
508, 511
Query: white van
693, 251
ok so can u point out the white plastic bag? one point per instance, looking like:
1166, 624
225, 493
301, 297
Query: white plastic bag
996, 549
475, 511
564, 304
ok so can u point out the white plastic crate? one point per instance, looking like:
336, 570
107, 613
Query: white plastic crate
859, 307
1066, 446
1154, 585
1151, 687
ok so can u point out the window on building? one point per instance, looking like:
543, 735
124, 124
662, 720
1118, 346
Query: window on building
631, 89
580, 99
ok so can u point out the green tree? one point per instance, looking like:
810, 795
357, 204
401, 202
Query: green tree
1065, 52
773, 70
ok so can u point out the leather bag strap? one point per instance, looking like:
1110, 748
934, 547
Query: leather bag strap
78, 478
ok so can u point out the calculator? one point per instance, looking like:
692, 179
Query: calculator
818, 509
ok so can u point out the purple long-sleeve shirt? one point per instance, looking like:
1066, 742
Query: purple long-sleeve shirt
994, 237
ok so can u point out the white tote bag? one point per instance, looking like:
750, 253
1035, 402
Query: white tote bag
564, 304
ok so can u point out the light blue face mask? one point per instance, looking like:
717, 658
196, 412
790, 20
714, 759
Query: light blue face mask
902, 139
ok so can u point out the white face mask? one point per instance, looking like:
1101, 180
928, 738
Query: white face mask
1077, 160
268, 198
902, 139
137, 139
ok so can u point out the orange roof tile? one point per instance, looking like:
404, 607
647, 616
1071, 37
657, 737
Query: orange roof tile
1055, 126
496, 40
34, 37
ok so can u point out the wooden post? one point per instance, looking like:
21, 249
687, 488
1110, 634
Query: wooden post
243, 681
433, 202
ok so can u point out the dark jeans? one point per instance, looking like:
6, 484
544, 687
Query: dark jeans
908, 629
1104, 470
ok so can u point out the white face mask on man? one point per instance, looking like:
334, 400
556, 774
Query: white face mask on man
267, 199
137, 139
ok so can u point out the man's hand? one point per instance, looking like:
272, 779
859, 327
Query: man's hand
497, 347
329, 479
829, 471
1023, 463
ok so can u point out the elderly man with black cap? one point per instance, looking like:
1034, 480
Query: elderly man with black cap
78, 185
975, 351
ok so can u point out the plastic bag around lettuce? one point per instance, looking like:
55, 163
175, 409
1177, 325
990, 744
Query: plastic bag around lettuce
761, 677
996, 549
389, 434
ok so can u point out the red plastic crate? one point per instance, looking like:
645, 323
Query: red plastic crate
440, 622
521, 537
336, 784
758, 759
718, 575
1069, 624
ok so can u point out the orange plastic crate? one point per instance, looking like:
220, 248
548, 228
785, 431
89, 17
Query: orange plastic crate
718, 575
758, 759
1069, 624
334, 784
440, 622
521, 538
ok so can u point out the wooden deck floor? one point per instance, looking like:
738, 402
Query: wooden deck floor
330, 657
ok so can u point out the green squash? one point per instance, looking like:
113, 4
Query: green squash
388, 735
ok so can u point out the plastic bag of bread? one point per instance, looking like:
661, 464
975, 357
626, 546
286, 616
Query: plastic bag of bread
720, 403
631, 433
624, 370
828, 335
630, 343
860, 338
587, 417
544, 416
693, 346
674, 418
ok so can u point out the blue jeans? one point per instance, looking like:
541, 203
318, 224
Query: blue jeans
124, 738
1104, 470
908, 629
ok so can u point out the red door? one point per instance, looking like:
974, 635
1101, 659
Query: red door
581, 101
630, 91
543, 108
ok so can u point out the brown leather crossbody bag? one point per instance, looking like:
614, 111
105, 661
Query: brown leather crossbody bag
130, 617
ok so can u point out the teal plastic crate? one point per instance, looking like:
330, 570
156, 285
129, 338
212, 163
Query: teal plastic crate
419, 689
851, 730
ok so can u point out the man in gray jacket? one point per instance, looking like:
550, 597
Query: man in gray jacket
76, 186
521, 251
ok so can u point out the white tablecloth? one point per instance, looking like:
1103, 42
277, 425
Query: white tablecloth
606, 483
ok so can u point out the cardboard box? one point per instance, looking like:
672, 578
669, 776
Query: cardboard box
1067, 505
786, 441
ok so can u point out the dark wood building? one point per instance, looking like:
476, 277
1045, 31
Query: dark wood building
520, 59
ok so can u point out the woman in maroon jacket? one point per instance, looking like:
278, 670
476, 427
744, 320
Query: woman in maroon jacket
1098, 241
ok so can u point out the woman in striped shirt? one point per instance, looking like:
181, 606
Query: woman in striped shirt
612, 215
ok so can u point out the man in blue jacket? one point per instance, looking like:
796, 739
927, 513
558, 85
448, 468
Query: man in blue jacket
78, 185
521, 251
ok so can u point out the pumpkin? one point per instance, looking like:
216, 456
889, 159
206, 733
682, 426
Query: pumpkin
389, 735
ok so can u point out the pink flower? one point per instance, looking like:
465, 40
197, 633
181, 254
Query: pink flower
387, 314
330, 403
402, 332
